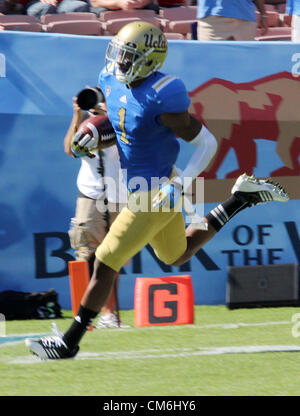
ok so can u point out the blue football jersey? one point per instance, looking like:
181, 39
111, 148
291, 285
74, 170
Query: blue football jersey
146, 147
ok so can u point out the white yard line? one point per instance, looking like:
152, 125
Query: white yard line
225, 326
5, 341
194, 326
179, 353
158, 353
9, 339
167, 353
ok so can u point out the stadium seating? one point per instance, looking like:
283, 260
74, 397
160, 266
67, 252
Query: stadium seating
273, 19
274, 38
183, 26
179, 13
17, 18
281, 8
270, 8
20, 22
178, 36
75, 27
279, 5
111, 27
22, 26
48, 18
178, 19
113, 21
286, 20
176, 22
275, 33
121, 14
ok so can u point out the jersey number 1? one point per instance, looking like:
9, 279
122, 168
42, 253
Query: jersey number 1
122, 113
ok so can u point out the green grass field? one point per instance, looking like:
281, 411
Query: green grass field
183, 360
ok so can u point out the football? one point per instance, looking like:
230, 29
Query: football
98, 126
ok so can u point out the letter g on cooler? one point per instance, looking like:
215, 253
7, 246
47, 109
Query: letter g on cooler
172, 305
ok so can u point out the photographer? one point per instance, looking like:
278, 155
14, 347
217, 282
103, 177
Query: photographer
90, 226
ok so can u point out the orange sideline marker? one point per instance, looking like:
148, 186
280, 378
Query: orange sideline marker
79, 280
165, 300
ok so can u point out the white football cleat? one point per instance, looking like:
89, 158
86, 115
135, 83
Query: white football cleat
257, 191
110, 321
51, 347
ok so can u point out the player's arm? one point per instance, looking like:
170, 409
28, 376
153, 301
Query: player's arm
193, 131
183, 124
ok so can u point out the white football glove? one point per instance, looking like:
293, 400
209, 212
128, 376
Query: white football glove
82, 145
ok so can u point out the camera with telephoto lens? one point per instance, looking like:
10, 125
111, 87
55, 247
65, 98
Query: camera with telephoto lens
90, 98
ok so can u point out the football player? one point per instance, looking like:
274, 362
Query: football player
149, 110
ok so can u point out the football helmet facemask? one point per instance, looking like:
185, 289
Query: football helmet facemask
138, 50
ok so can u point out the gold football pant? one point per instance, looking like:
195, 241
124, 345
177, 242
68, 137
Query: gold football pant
132, 230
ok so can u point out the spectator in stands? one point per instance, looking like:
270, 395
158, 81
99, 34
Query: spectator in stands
293, 9
39, 8
230, 20
100, 6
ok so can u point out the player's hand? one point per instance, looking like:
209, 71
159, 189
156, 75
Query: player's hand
87, 141
80, 145
83, 144
169, 195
